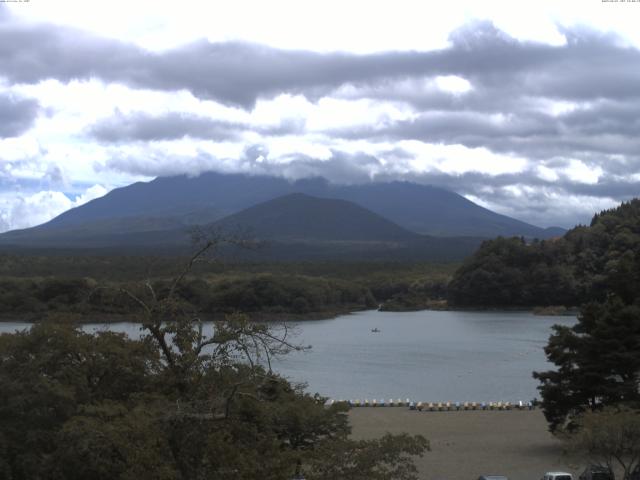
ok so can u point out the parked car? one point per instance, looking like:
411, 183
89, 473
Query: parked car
557, 476
596, 472
492, 477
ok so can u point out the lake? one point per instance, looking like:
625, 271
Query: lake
426, 355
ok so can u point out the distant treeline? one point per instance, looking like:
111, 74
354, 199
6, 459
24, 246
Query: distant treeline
38, 287
587, 264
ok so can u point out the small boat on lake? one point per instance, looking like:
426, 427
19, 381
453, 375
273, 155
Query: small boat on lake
375, 330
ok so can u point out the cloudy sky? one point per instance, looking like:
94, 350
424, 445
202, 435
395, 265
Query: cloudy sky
530, 108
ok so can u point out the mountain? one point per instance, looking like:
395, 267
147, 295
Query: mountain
302, 227
292, 227
302, 217
183, 200
192, 200
554, 232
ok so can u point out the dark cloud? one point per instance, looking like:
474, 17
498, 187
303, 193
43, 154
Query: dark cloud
588, 66
466, 128
509, 78
16, 115
157, 164
171, 126
141, 126
595, 133
54, 178
500, 188
605, 117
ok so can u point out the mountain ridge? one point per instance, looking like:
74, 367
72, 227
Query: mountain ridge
211, 196
291, 227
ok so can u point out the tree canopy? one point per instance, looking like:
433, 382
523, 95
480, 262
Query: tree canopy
587, 264
597, 360
179, 403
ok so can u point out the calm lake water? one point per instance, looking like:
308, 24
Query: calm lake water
427, 355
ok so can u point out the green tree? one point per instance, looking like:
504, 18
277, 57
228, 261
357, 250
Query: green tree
597, 360
386, 458
587, 264
48, 374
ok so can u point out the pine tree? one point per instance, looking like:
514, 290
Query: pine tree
598, 362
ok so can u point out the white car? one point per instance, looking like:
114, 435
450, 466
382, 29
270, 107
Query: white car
557, 476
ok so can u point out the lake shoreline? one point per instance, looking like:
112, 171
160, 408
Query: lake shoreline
82, 319
71, 317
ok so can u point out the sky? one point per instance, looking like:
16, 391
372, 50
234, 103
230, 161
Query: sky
529, 108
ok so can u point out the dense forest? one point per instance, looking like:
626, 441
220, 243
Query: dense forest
597, 359
89, 288
587, 263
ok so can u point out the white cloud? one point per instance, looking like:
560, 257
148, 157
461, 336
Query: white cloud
357, 25
18, 148
453, 84
578, 171
547, 173
458, 159
23, 211
287, 147
332, 113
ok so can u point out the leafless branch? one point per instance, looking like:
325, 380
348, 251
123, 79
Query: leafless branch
138, 300
201, 251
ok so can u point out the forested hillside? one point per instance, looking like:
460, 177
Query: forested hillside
586, 264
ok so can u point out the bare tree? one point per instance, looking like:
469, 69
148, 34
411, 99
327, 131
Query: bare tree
180, 335
610, 437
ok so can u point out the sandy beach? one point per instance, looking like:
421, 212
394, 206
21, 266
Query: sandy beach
467, 444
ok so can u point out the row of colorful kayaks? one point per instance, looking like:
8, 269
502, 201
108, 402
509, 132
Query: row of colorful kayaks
437, 406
